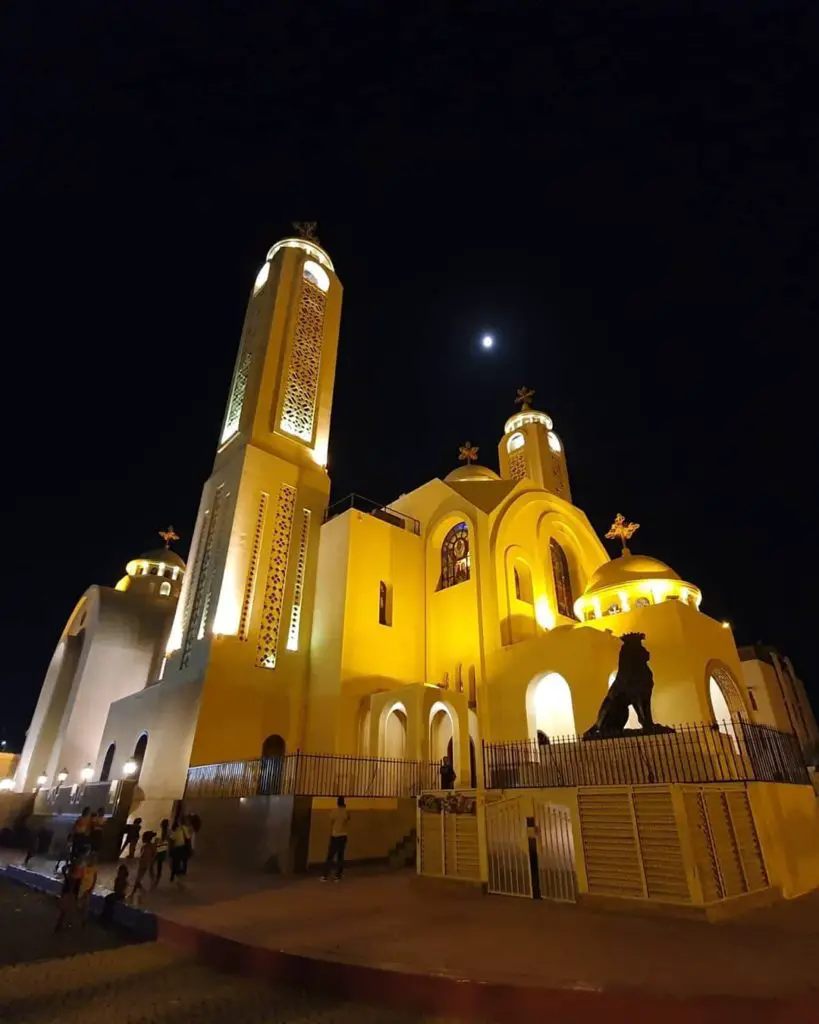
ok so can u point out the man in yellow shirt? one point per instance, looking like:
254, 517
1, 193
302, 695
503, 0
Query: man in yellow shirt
339, 821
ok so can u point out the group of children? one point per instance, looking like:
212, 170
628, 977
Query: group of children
79, 869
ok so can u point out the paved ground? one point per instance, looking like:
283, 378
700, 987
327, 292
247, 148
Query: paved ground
92, 976
392, 921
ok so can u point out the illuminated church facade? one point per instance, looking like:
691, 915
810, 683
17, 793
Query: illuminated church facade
481, 607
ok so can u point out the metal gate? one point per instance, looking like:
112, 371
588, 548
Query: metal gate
555, 852
507, 846
726, 847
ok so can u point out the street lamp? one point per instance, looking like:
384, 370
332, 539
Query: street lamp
42, 780
87, 774
62, 775
129, 769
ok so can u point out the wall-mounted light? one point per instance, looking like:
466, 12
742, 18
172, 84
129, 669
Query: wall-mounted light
129, 769
42, 780
62, 775
87, 774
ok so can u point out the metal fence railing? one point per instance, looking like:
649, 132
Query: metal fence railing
313, 775
382, 512
730, 751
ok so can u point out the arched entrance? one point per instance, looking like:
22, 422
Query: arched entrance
271, 768
726, 701
105, 771
441, 732
139, 754
549, 707
395, 732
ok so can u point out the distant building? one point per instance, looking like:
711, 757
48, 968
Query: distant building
777, 696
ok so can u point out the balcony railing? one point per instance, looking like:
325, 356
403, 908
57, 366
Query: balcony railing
733, 751
312, 775
372, 508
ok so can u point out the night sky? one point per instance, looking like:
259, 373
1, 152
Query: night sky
626, 194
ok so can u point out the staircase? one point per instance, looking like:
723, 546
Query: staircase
402, 855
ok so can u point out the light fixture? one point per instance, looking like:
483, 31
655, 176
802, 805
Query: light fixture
6, 785
42, 780
129, 769
62, 775
87, 774
487, 341
726, 625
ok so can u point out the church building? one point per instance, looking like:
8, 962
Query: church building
479, 609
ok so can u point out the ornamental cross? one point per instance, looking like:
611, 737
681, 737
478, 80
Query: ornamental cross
622, 531
468, 453
525, 396
306, 229
168, 536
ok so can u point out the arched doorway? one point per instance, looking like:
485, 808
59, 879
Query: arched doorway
271, 769
549, 707
726, 702
395, 732
105, 771
440, 732
139, 754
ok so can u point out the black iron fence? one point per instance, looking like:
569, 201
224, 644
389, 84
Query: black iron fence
382, 512
731, 751
313, 775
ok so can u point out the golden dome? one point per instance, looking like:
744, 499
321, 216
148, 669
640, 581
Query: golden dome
471, 472
629, 569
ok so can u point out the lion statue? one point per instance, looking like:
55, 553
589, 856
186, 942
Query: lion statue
632, 687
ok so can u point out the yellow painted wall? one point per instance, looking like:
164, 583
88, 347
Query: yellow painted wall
787, 821
376, 827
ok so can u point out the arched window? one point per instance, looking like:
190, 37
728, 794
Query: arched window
139, 753
384, 604
563, 580
271, 768
105, 772
549, 709
164, 589
455, 558
523, 581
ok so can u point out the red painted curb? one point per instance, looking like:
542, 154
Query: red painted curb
443, 994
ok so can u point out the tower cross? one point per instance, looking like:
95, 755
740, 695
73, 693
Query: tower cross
306, 229
169, 535
622, 531
468, 452
525, 396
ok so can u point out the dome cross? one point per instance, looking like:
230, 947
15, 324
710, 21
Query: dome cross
468, 453
622, 530
169, 535
524, 398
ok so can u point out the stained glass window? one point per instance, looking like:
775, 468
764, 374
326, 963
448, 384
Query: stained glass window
563, 580
455, 557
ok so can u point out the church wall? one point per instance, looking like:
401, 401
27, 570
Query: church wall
167, 713
760, 679
787, 820
120, 648
352, 653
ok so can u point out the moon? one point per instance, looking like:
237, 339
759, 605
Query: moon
487, 341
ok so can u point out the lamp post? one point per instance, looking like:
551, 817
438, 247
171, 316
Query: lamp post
6, 785
62, 775
42, 780
129, 769
87, 774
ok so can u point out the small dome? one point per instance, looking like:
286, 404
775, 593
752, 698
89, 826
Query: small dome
629, 569
163, 555
471, 472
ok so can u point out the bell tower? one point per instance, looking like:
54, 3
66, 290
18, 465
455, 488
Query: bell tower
531, 449
243, 621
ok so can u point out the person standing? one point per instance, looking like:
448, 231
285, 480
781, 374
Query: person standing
163, 845
131, 837
339, 821
81, 834
146, 860
447, 774
181, 846
97, 825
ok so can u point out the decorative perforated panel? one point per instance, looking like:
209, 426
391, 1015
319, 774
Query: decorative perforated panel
299, 405
253, 568
237, 397
201, 594
267, 646
517, 464
298, 586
